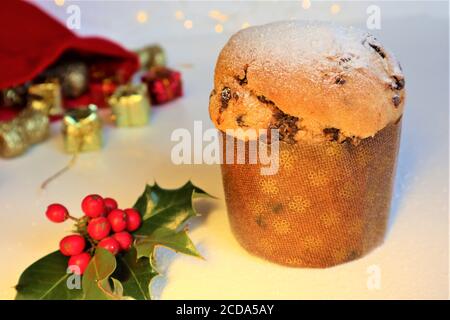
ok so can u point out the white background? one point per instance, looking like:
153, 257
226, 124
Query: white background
414, 259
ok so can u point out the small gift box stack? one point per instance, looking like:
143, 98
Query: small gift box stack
88, 74
130, 104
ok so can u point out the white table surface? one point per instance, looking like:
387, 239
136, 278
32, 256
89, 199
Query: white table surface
413, 261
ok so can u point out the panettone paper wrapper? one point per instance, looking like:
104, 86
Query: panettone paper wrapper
328, 203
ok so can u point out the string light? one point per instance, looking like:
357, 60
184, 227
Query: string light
141, 16
335, 9
188, 24
213, 13
218, 28
245, 25
59, 3
306, 4
179, 15
217, 15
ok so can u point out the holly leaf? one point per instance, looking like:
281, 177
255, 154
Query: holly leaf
118, 290
177, 241
48, 279
135, 275
169, 208
165, 213
96, 277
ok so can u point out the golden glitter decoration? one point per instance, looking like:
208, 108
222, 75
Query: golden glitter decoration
36, 125
12, 140
28, 128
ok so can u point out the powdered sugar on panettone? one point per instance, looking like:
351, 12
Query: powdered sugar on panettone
327, 76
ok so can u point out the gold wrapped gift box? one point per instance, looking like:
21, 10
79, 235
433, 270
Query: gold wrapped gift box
130, 106
82, 130
46, 97
151, 56
29, 127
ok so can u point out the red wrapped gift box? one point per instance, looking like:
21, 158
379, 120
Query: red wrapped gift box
163, 84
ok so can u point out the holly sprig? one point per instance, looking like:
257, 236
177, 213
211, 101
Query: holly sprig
128, 275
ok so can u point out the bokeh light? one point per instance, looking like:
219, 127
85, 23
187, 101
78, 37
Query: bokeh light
335, 9
306, 4
218, 28
142, 16
179, 15
188, 24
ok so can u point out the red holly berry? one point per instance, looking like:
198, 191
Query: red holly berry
110, 204
110, 244
117, 219
57, 213
124, 239
79, 263
72, 245
93, 206
133, 219
99, 228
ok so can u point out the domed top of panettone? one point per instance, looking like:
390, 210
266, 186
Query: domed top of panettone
310, 80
